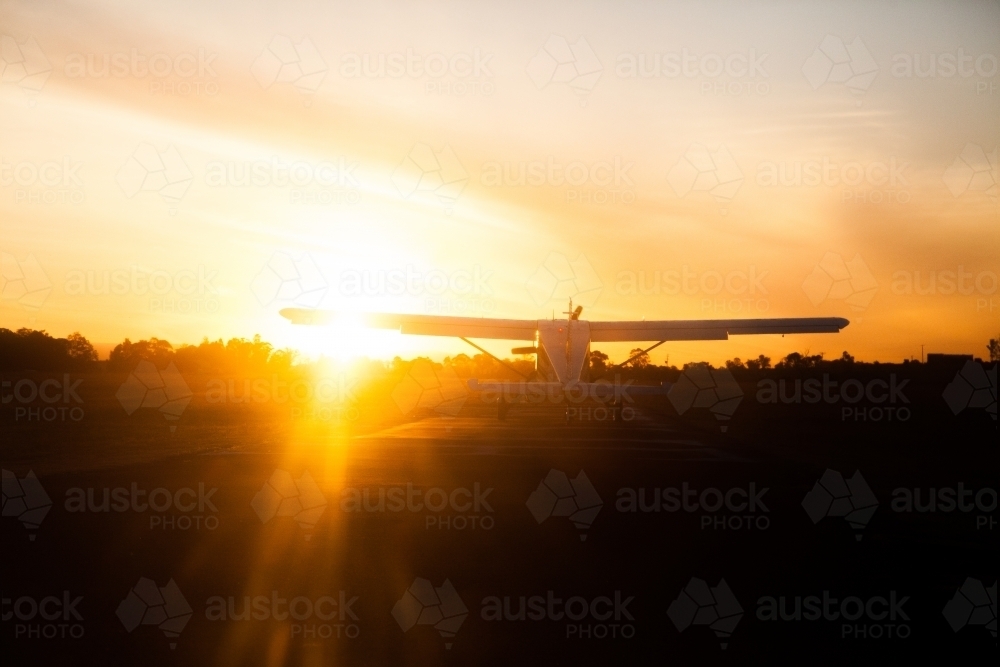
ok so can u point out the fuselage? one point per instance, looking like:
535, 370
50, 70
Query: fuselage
563, 350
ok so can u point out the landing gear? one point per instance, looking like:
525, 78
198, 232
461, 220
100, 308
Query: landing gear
503, 407
616, 411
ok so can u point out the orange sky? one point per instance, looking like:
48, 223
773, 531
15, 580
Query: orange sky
293, 153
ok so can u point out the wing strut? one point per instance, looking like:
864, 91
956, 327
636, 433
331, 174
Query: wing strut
496, 358
634, 356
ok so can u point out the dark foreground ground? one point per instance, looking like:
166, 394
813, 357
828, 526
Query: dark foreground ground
437, 573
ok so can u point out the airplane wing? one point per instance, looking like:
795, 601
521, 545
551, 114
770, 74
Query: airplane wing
426, 325
710, 329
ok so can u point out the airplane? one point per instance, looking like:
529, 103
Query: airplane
562, 347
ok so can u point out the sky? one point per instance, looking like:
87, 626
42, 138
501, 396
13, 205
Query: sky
187, 169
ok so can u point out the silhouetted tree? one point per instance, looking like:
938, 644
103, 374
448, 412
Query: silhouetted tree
599, 363
29, 349
79, 348
994, 348
127, 354
697, 364
760, 363
641, 359
797, 360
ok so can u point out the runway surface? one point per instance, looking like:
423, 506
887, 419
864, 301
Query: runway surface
464, 540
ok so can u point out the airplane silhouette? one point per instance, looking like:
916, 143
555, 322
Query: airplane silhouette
562, 347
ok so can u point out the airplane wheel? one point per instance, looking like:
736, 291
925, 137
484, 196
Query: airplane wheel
503, 407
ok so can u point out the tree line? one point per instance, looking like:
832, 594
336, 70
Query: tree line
30, 349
